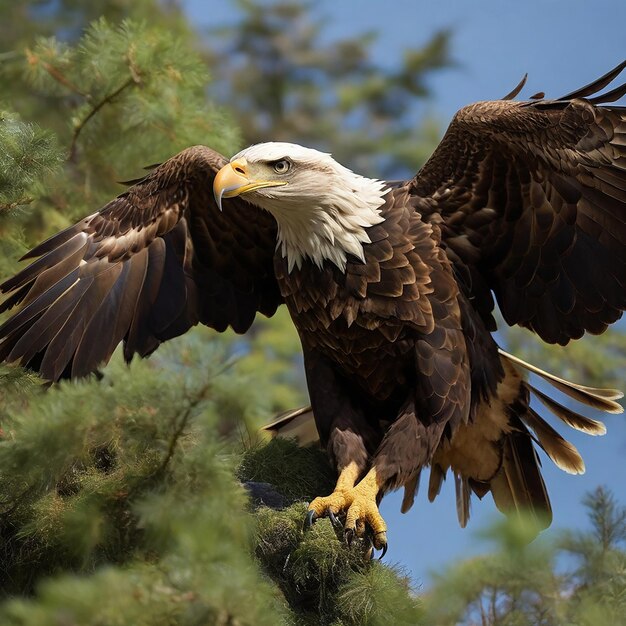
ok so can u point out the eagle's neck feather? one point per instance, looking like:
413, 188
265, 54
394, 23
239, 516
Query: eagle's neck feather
330, 223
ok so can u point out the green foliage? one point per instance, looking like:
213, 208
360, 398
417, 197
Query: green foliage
144, 595
378, 596
324, 580
76, 456
28, 154
109, 70
122, 97
127, 471
297, 473
110, 82
56, 25
599, 575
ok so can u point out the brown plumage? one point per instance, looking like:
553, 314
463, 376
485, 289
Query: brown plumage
390, 287
147, 267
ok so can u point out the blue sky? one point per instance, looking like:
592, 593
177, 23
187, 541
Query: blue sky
562, 44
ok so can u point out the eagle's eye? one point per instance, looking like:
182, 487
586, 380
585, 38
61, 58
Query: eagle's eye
282, 166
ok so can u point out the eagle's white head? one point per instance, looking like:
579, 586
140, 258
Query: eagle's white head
322, 208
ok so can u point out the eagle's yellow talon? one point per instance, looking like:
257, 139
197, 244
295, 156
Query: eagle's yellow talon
359, 504
360, 528
380, 542
334, 503
340, 499
364, 512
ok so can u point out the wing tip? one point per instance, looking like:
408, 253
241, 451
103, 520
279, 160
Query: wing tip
515, 91
600, 83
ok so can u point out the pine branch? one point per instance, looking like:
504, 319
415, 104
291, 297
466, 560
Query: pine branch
55, 73
8, 206
182, 422
180, 428
133, 79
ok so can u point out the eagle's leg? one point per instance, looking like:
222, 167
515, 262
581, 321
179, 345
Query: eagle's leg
405, 448
342, 428
339, 500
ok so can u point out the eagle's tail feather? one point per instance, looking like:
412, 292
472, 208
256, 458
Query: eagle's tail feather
437, 476
410, 491
562, 453
298, 424
518, 485
569, 417
602, 399
463, 493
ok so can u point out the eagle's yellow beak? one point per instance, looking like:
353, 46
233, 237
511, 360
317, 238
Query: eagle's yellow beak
233, 180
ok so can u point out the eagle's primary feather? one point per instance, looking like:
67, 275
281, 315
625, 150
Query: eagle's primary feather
390, 286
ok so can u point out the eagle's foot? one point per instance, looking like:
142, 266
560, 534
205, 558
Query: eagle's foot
329, 506
364, 517
337, 501
358, 504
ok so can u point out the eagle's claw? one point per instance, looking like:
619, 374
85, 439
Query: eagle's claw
374, 544
309, 519
382, 545
333, 519
349, 535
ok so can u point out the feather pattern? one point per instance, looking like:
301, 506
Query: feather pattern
411, 488
518, 487
569, 417
148, 266
601, 399
562, 452
435, 481
462, 490
551, 173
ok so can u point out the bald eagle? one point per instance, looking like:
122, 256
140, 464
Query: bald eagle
391, 287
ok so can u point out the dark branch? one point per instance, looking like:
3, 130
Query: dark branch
180, 428
134, 79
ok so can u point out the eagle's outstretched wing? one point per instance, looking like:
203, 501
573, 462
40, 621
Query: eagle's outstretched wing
149, 265
531, 198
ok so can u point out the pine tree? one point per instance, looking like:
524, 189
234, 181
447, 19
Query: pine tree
597, 582
540, 584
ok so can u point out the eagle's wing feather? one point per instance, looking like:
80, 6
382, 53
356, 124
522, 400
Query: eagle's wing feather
531, 197
149, 265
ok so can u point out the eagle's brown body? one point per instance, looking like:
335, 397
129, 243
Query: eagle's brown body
383, 339
378, 309
393, 300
